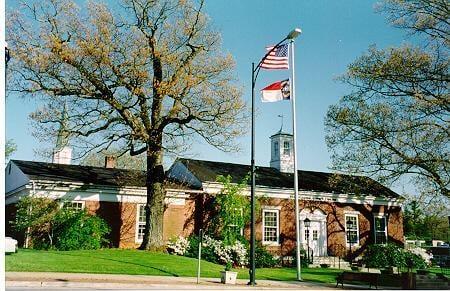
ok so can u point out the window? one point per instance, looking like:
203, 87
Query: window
73, 205
380, 230
275, 147
315, 234
351, 229
140, 224
286, 148
270, 226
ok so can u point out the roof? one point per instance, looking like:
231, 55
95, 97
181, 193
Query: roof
271, 177
84, 174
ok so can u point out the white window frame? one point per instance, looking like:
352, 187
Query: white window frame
375, 216
357, 230
83, 204
138, 223
277, 212
288, 147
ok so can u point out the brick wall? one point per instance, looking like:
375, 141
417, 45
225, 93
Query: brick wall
335, 224
121, 217
197, 212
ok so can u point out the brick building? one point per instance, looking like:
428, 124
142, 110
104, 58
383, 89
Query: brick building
345, 211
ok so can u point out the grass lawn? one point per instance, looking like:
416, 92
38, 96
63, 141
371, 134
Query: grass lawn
135, 262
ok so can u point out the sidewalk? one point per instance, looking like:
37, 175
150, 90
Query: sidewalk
143, 282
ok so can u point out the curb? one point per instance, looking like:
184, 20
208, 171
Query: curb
140, 286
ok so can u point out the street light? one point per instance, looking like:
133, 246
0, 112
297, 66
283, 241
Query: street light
307, 224
255, 71
350, 238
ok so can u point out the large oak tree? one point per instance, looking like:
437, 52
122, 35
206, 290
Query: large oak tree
395, 122
144, 77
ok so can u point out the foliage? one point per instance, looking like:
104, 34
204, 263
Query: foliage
36, 217
235, 253
213, 250
179, 246
132, 80
10, 148
423, 17
418, 257
391, 255
78, 230
426, 221
394, 124
50, 226
264, 259
303, 258
233, 210
228, 266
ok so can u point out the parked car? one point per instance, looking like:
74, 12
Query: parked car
10, 245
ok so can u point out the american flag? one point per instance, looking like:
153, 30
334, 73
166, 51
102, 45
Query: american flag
277, 59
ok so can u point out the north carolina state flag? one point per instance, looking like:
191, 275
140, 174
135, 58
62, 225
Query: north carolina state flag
276, 92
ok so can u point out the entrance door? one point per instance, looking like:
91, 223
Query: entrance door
314, 238
316, 235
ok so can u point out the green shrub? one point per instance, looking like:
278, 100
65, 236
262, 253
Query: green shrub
264, 259
53, 227
192, 251
36, 216
80, 231
303, 258
391, 255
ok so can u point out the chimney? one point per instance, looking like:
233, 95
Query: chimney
62, 156
110, 162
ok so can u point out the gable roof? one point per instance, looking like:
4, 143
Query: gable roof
85, 174
207, 171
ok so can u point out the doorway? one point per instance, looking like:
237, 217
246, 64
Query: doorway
316, 235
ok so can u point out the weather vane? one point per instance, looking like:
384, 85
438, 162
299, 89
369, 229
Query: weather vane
281, 128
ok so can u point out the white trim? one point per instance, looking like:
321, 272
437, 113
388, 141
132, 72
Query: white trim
380, 215
357, 230
277, 212
67, 191
351, 212
137, 223
214, 188
272, 207
137, 194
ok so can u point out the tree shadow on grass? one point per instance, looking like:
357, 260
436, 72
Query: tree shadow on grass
119, 261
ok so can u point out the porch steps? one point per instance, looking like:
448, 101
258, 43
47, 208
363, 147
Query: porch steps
333, 262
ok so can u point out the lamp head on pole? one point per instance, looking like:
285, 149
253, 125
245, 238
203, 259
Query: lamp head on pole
294, 33
349, 223
307, 222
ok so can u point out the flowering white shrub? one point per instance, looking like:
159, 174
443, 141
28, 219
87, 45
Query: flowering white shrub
178, 246
422, 253
236, 254
239, 253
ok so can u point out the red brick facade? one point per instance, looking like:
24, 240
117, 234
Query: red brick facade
196, 212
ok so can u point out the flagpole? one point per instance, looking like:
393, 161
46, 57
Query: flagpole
294, 131
255, 71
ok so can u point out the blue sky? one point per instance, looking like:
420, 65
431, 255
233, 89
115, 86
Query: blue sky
334, 34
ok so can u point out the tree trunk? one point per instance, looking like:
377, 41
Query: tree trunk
154, 208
